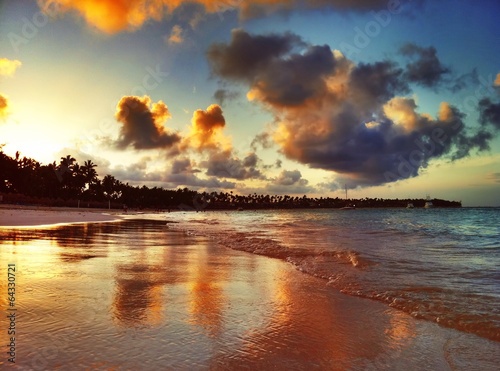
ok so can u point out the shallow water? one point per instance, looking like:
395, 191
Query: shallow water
137, 295
441, 265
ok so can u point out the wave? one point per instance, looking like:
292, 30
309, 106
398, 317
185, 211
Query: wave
353, 273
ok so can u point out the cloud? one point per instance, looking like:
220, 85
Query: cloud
182, 173
207, 138
246, 55
225, 164
206, 130
182, 165
4, 107
375, 83
143, 128
424, 67
176, 36
287, 177
8, 67
263, 139
495, 177
137, 172
143, 124
223, 95
497, 80
349, 118
489, 113
112, 16
463, 81
291, 182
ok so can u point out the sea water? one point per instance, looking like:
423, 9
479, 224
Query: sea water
333, 290
441, 265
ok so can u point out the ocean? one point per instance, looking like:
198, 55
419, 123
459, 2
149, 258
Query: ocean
441, 265
366, 289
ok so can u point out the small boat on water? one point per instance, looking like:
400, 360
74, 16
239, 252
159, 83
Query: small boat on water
348, 206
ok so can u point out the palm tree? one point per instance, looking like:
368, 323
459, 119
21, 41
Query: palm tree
111, 188
64, 168
89, 172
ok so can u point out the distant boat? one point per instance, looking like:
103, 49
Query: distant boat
410, 205
347, 206
428, 203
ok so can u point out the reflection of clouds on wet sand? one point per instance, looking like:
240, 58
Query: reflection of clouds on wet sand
208, 276
307, 325
136, 295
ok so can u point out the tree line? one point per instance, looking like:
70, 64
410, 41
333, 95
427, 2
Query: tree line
67, 183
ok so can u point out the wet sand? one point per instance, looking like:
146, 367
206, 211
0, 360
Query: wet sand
135, 295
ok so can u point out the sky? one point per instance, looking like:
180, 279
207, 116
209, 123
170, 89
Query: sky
387, 98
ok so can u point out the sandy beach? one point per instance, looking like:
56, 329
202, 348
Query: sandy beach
135, 295
24, 216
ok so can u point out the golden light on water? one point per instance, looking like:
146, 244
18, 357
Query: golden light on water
130, 291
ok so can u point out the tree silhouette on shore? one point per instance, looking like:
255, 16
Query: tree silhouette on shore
25, 180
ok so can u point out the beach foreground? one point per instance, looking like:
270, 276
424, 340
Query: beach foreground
134, 295
20, 216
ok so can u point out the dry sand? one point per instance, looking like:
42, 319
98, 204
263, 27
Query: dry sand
24, 216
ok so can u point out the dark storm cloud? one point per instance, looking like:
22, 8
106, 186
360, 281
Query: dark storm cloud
268, 63
298, 77
489, 113
259, 8
375, 83
333, 114
142, 124
424, 67
246, 55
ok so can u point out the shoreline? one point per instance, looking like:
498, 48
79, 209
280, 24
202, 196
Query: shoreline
291, 318
14, 216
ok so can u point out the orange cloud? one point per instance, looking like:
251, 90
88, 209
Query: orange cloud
497, 80
206, 130
176, 35
402, 112
112, 16
8, 67
4, 105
